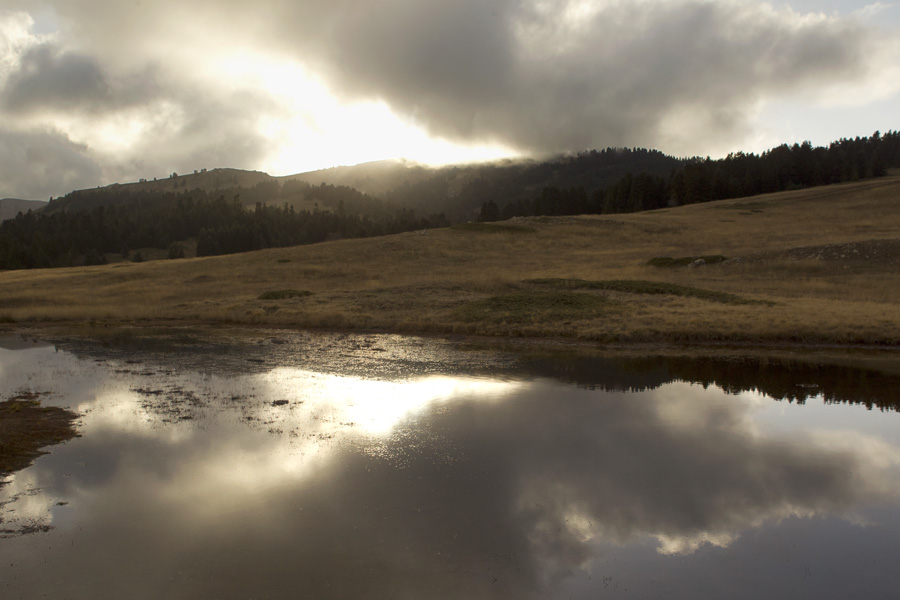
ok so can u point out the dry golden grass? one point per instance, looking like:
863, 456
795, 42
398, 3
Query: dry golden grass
823, 263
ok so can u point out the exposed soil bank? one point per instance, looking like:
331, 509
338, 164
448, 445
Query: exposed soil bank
26, 427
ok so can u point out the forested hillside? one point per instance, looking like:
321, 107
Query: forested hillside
224, 216
703, 180
59, 238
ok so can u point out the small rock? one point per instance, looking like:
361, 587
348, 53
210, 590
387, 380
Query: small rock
280, 402
697, 263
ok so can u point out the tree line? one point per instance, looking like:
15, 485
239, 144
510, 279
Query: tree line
460, 191
60, 238
703, 180
86, 226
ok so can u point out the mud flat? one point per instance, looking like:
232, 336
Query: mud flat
26, 428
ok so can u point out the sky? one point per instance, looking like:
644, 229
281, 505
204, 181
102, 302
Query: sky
94, 92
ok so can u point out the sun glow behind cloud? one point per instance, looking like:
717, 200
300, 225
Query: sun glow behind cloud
315, 129
288, 87
298, 123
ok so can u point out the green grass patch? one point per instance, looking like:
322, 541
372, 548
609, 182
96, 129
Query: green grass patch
535, 307
284, 294
493, 228
640, 286
667, 262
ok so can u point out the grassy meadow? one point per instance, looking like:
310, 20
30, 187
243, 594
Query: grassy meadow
814, 266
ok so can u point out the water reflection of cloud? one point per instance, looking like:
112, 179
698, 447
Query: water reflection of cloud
464, 487
324, 413
23, 505
639, 466
129, 414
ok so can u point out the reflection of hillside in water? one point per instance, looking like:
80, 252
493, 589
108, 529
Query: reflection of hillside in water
781, 379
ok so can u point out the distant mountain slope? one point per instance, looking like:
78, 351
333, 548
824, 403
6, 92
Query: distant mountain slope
212, 207
591, 169
10, 207
455, 190
207, 180
376, 178
460, 190
595, 181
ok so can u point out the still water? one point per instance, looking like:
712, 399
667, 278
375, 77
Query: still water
338, 466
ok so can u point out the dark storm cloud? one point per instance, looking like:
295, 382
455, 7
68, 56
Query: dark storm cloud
204, 132
685, 76
163, 121
49, 78
38, 163
543, 77
78, 113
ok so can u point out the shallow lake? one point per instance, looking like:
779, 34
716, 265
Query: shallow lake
363, 466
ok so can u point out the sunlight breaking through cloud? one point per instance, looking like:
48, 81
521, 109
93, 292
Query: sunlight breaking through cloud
116, 91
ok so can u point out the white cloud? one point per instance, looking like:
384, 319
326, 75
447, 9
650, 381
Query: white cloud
870, 11
148, 88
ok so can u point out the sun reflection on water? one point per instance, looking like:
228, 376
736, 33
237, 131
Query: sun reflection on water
372, 407
344, 474
308, 417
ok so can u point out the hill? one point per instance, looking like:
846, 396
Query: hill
10, 207
612, 180
215, 180
813, 266
376, 178
202, 179
458, 191
196, 215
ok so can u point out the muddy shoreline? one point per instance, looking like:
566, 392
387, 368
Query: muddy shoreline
27, 428
206, 332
